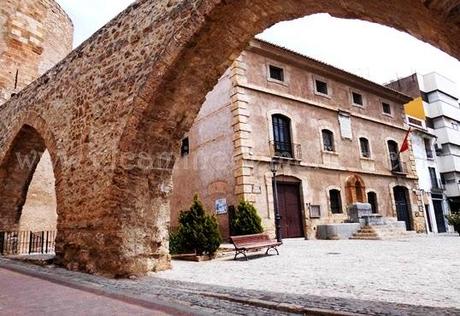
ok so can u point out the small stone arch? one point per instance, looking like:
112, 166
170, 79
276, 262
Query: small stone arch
355, 189
27, 142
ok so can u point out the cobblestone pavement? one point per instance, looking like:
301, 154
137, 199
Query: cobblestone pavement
25, 295
420, 270
279, 285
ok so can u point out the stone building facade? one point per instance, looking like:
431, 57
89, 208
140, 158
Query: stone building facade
335, 136
34, 36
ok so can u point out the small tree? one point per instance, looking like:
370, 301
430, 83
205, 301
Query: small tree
246, 221
198, 231
454, 220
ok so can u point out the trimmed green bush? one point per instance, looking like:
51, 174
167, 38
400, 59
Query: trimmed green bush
246, 220
198, 232
454, 220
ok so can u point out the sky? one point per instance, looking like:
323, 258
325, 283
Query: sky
373, 51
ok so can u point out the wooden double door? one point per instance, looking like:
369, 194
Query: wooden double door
292, 224
402, 205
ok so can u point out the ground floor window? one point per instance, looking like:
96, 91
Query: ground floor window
336, 201
372, 200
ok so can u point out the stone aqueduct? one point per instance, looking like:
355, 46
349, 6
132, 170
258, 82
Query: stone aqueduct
128, 94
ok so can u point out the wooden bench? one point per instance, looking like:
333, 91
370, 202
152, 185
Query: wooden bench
257, 241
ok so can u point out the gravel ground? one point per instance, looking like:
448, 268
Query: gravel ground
423, 270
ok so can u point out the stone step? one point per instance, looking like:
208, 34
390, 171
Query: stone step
360, 234
365, 238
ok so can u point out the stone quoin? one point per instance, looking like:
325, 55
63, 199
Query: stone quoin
112, 112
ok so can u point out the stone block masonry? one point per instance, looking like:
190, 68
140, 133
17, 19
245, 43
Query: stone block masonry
34, 36
113, 111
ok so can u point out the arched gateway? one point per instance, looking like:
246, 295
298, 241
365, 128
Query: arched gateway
118, 105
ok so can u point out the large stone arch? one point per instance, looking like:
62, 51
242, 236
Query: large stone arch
119, 104
212, 38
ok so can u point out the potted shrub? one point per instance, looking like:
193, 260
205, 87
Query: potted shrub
245, 220
454, 220
198, 235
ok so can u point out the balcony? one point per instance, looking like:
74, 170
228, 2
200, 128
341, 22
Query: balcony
447, 135
452, 189
399, 167
448, 163
437, 186
285, 150
440, 108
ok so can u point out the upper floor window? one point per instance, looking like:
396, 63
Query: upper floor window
276, 73
321, 87
357, 98
434, 178
386, 108
335, 200
428, 149
282, 136
365, 148
185, 147
393, 150
328, 140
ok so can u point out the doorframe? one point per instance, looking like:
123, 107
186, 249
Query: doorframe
408, 203
280, 179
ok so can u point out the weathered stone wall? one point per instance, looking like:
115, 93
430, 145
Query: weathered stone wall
34, 36
208, 169
131, 92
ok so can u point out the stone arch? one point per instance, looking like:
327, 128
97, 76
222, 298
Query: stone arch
355, 190
158, 60
29, 139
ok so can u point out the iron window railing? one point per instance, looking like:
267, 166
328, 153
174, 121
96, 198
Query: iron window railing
286, 150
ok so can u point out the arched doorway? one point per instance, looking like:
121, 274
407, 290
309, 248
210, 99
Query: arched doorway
27, 219
402, 203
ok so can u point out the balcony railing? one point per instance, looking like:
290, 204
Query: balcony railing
286, 150
398, 167
437, 185
429, 153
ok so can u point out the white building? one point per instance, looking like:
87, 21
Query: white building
435, 112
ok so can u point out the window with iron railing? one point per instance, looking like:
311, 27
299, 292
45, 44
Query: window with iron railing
282, 141
428, 150
365, 148
393, 150
436, 185
328, 140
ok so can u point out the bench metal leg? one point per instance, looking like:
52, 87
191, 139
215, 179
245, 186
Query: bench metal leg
270, 248
243, 252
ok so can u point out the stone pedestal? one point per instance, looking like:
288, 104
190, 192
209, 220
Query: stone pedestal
359, 210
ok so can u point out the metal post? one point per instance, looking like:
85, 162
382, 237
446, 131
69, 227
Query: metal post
279, 236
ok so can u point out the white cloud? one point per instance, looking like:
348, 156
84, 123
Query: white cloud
373, 51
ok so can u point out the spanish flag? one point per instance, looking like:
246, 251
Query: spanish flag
405, 144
